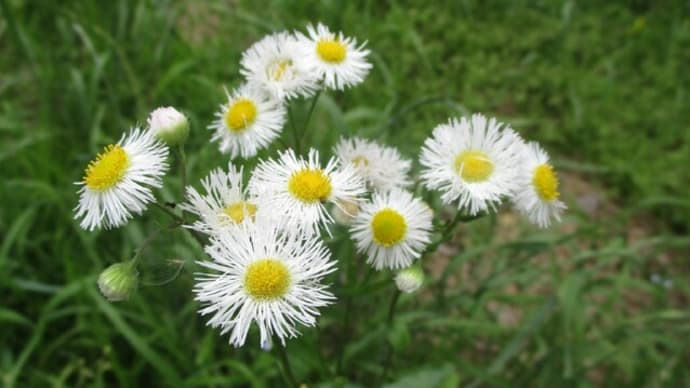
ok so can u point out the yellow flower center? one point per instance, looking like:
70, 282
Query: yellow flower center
240, 115
388, 227
239, 210
545, 182
332, 51
310, 185
107, 169
360, 161
474, 166
267, 279
277, 70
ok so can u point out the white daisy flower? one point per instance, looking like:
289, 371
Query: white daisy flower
392, 229
335, 57
538, 195
248, 122
300, 188
381, 167
224, 204
118, 182
264, 275
277, 63
474, 162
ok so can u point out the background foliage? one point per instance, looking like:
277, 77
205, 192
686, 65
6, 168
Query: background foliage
601, 300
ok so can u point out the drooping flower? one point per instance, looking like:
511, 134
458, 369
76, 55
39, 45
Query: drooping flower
119, 281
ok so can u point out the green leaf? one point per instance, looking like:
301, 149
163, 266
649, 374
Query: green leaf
166, 370
429, 377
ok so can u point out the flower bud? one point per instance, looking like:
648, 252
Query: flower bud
345, 211
118, 281
169, 125
409, 279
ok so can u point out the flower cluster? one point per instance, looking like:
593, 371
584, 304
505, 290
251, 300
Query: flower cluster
262, 229
278, 68
477, 162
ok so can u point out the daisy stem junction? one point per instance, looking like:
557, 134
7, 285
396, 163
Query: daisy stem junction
449, 227
179, 220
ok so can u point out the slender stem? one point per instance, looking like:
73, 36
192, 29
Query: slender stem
351, 277
288, 376
181, 221
298, 147
389, 348
183, 168
449, 228
391, 307
311, 110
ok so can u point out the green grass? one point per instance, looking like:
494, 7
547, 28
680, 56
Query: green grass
604, 86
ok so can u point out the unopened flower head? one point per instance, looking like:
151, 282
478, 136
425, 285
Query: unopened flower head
248, 122
300, 188
118, 181
169, 125
409, 279
472, 161
382, 167
118, 281
335, 58
538, 195
393, 229
267, 276
345, 211
224, 204
277, 63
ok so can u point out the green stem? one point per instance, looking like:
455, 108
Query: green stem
322, 360
391, 307
449, 228
311, 110
179, 220
288, 376
389, 348
351, 277
183, 168
169, 212
298, 146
